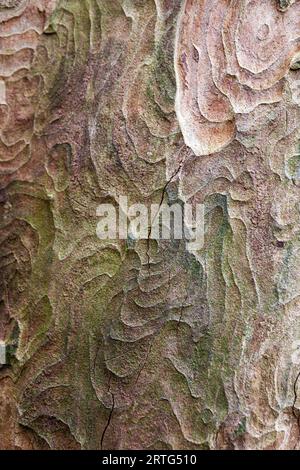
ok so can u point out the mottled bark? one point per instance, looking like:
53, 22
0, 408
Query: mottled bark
142, 344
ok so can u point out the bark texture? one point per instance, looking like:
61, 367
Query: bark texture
141, 344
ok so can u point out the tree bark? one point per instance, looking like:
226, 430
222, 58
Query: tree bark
141, 344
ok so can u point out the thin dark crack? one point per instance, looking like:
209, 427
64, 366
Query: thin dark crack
109, 417
181, 314
7, 299
295, 410
159, 207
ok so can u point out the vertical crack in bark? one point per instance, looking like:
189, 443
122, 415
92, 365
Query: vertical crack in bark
296, 412
109, 417
183, 306
177, 171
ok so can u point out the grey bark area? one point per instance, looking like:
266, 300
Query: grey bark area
141, 344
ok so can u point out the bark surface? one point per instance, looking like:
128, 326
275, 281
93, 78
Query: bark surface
129, 344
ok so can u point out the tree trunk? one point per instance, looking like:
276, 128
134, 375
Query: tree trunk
143, 344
